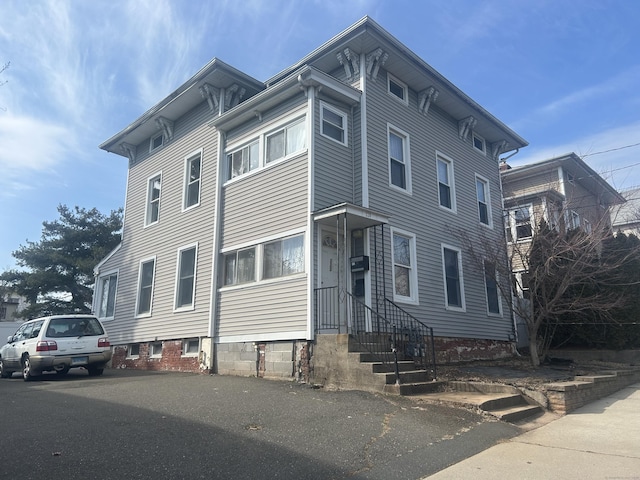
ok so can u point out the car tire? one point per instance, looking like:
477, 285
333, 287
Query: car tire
95, 371
26, 369
63, 372
3, 372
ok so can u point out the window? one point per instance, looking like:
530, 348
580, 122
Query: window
478, 143
454, 291
574, 220
586, 226
334, 123
518, 223
134, 350
405, 280
243, 160
145, 286
397, 89
491, 287
153, 200
156, 142
155, 349
192, 180
399, 166
191, 347
186, 281
239, 267
445, 183
484, 203
107, 295
521, 284
286, 141
283, 257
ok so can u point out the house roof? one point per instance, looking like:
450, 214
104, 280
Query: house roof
572, 163
627, 214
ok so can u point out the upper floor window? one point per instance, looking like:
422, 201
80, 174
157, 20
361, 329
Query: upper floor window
484, 202
153, 199
107, 295
446, 193
573, 220
146, 275
399, 160
518, 223
405, 278
334, 123
479, 143
452, 268
156, 142
243, 160
239, 267
186, 276
397, 89
287, 140
192, 176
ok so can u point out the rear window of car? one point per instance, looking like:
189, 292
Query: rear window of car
74, 327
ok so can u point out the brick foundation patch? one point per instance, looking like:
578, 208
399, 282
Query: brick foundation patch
456, 350
171, 358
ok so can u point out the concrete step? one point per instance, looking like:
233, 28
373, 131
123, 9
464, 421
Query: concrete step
411, 376
517, 413
403, 366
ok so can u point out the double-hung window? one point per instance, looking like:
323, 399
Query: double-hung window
484, 201
334, 123
405, 279
107, 295
491, 288
452, 268
446, 193
286, 141
399, 160
283, 257
240, 267
518, 224
243, 160
145, 286
192, 174
573, 220
153, 199
186, 277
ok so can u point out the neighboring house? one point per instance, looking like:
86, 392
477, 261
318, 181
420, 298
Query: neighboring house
625, 218
257, 212
564, 192
10, 305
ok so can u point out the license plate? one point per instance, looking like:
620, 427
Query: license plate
79, 360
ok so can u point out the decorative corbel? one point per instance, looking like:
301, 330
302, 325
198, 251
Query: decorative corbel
426, 98
465, 126
130, 151
211, 94
374, 61
345, 63
258, 115
497, 148
233, 95
166, 126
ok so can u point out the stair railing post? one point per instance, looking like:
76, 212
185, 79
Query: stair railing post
394, 349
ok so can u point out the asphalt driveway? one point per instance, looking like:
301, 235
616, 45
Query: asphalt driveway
131, 424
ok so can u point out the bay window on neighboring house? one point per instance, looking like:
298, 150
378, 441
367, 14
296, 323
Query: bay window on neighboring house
405, 278
192, 174
399, 160
186, 277
146, 276
446, 191
106, 295
573, 220
452, 272
518, 223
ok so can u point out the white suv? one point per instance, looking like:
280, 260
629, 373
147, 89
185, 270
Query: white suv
56, 343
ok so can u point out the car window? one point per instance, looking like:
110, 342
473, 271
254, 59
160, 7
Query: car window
18, 335
37, 326
74, 327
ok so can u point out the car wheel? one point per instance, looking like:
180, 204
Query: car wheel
3, 372
95, 371
62, 372
26, 369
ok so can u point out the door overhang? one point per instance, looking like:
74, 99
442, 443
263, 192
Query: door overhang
356, 217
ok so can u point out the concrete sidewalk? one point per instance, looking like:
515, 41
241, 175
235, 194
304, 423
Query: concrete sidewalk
598, 441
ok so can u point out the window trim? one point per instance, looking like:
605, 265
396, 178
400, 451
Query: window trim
100, 289
406, 161
235, 253
153, 137
185, 343
513, 224
345, 123
463, 305
414, 298
147, 210
487, 194
448, 161
405, 89
177, 291
231, 152
188, 183
486, 290
282, 275
474, 137
130, 354
152, 349
139, 285
284, 128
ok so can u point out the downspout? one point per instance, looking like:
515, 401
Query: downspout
363, 133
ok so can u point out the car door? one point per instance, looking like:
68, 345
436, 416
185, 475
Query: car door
11, 357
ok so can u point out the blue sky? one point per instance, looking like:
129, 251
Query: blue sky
564, 74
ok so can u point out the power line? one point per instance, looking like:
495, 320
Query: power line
611, 150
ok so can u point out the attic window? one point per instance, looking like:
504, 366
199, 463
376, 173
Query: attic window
397, 89
478, 143
156, 142
571, 179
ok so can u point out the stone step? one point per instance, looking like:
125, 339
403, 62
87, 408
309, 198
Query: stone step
503, 401
517, 413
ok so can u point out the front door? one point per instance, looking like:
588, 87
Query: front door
329, 281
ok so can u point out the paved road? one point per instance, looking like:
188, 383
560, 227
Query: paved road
129, 424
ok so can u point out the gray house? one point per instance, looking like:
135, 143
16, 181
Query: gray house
270, 225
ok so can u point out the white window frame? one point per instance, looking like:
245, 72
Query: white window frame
285, 128
448, 162
513, 224
235, 254
573, 220
151, 142
487, 200
153, 353
413, 298
188, 182
406, 161
483, 145
344, 128
149, 200
282, 274
246, 147
185, 347
143, 262
130, 353
486, 290
463, 306
178, 283
100, 294
403, 86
